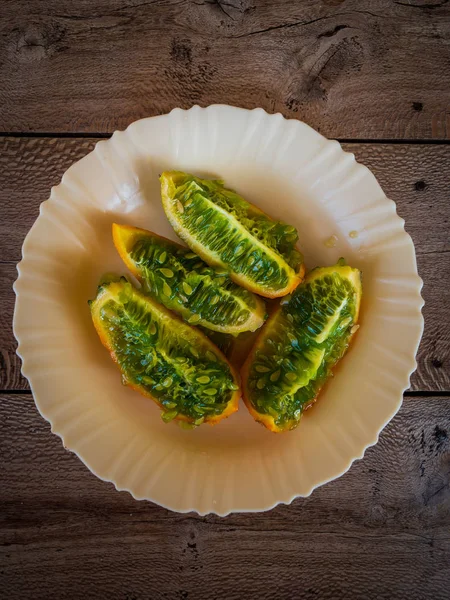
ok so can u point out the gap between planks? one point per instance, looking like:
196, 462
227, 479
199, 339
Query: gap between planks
107, 135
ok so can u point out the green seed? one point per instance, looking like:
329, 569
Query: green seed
166, 289
203, 379
211, 356
215, 299
194, 319
250, 261
261, 383
190, 254
162, 257
180, 207
187, 288
170, 405
345, 322
198, 220
167, 272
169, 416
210, 391
199, 421
167, 381
194, 352
291, 376
290, 318
275, 376
152, 328
292, 339
261, 369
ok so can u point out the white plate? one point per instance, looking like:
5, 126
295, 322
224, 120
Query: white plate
291, 172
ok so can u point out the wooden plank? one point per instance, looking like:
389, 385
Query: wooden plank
28, 170
359, 69
433, 358
415, 176
370, 534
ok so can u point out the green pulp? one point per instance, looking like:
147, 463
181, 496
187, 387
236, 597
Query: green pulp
308, 336
165, 357
181, 281
204, 208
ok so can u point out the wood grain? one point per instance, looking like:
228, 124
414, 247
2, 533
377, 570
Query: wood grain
353, 69
29, 167
350, 68
415, 176
371, 534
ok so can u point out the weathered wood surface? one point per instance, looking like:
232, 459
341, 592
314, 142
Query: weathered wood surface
382, 531
351, 68
415, 176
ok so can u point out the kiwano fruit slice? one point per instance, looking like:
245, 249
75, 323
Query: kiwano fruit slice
182, 282
228, 232
162, 357
300, 344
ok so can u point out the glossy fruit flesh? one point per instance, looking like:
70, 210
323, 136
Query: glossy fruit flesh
177, 278
164, 358
226, 231
299, 346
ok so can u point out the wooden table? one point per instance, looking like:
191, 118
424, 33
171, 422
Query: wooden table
374, 74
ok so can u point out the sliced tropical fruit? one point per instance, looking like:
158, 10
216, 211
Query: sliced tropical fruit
177, 278
229, 232
164, 358
300, 344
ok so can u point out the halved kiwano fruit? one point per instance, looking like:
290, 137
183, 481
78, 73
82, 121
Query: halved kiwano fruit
226, 231
179, 279
300, 344
163, 358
